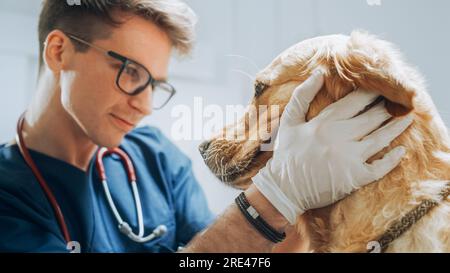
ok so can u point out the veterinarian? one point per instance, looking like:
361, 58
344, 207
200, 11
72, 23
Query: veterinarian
103, 68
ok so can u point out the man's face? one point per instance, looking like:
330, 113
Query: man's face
88, 84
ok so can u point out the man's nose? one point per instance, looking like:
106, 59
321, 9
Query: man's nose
143, 101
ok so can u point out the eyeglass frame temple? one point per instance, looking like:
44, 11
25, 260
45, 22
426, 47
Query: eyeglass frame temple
125, 60
113, 54
107, 52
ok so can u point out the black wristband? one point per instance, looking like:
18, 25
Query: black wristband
256, 220
257, 225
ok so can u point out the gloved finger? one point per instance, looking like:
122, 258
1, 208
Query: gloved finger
297, 107
382, 137
350, 105
367, 122
379, 168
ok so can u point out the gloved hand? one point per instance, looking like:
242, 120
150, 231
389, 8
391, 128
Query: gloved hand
319, 162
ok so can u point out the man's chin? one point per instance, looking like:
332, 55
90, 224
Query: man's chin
113, 143
109, 141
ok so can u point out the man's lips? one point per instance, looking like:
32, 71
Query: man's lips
122, 123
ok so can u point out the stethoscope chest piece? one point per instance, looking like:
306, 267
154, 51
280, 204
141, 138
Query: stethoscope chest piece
123, 226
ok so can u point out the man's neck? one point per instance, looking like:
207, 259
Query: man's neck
50, 130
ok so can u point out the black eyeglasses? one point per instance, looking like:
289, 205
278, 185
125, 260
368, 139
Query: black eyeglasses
133, 78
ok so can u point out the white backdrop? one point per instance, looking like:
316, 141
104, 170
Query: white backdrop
257, 30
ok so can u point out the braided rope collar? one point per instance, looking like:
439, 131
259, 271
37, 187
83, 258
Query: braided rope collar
406, 222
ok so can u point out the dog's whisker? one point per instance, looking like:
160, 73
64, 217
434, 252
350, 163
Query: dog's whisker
252, 79
247, 59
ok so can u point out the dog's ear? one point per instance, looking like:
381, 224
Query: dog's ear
375, 65
359, 61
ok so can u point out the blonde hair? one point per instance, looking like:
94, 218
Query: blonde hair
90, 19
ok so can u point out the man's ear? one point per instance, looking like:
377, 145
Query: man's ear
57, 49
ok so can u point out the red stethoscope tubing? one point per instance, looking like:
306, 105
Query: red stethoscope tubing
49, 194
51, 198
123, 156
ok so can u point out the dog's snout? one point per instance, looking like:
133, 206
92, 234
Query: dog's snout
204, 147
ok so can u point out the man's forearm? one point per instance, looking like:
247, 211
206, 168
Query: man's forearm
233, 233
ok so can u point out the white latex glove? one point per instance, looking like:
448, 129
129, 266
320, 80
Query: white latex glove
319, 162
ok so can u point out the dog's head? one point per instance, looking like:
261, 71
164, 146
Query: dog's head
349, 62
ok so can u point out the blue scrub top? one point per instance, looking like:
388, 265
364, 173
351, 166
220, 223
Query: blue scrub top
169, 193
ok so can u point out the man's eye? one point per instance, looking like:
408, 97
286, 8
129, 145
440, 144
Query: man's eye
132, 73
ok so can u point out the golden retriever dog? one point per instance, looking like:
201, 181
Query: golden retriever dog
406, 211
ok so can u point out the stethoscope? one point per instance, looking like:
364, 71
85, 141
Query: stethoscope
124, 227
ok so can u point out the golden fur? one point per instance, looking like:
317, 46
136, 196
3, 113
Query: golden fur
351, 62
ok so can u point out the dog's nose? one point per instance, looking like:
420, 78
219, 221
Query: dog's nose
204, 147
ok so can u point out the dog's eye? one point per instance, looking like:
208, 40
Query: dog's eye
259, 88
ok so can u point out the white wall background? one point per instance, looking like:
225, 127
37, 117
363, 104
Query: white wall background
255, 29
